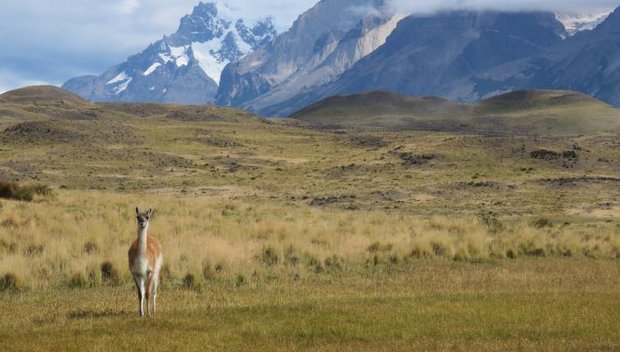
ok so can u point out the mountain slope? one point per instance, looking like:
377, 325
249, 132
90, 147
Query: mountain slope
324, 42
443, 54
589, 62
40, 94
182, 68
539, 112
469, 56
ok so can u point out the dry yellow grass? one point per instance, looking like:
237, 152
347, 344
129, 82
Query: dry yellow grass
54, 242
277, 237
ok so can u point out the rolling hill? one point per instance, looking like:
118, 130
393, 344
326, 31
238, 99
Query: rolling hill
543, 112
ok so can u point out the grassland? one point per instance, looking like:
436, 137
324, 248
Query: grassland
532, 304
529, 112
280, 235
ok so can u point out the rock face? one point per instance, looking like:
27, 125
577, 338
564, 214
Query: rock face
588, 62
578, 22
445, 54
324, 42
353, 46
468, 56
184, 67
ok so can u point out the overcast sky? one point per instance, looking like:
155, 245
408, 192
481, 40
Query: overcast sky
50, 41
425, 6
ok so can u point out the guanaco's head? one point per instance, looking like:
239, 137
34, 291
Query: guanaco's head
143, 218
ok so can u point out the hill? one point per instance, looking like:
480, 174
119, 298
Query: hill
542, 112
40, 94
40, 115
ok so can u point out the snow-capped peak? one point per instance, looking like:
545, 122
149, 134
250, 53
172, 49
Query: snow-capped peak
215, 38
577, 22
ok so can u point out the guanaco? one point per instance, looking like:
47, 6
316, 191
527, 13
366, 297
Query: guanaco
145, 261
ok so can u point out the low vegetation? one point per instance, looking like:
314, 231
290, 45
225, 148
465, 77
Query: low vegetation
281, 235
528, 112
12, 190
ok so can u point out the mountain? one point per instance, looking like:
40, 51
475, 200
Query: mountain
588, 62
322, 43
184, 67
445, 54
579, 22
535, 112
468, 56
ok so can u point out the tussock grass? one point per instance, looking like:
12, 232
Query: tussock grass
13, 190
75, 242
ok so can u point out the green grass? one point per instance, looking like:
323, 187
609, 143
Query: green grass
524, 305
534, 112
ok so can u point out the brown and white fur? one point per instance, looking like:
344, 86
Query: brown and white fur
145, 260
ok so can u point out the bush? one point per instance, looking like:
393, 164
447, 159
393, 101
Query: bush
12, 190
334, 263
240, 280
190, 282
109, 274
378, 247
34, 250
90, 247
78, 281
542, 222
290, 257
489, 219
269, 256
9, 283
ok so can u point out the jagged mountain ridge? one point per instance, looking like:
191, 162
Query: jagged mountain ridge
324, 42
490, 53
184, 67
342, 47
438, 54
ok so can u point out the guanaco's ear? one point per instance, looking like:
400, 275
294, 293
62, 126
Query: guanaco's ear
150, 213
137, 211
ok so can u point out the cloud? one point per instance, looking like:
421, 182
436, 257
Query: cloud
11, 80
52, 41
563, 6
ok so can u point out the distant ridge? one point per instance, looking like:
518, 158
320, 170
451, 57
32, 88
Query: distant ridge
40, 94
44, 103
541, 112
380, 102
529, 99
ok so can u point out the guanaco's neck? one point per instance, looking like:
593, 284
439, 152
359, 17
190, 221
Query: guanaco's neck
142, 235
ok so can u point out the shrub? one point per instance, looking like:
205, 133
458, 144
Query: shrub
439, 249
78, 280
334, 262
542, 222
489, 219
313, 263
189, 282
90, 247
394, 259
8, 247
12, 190
34, 250
269, 256
290, 257
240, 280
378, 247
109, 274
207, 271
9, 283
